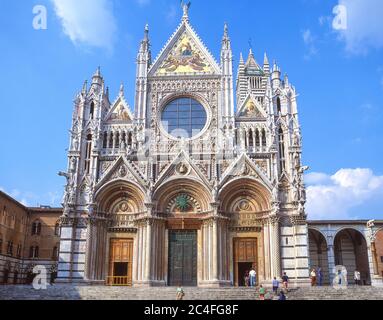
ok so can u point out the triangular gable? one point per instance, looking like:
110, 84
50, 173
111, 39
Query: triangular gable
251, 108
183, 167
122, 169
184, 54
244, 167
120, 111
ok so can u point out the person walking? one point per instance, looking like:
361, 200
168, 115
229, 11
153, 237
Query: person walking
247, 278
253, 277
320, 276
313, 277
275, 286
285, 281
262, 292
357, 277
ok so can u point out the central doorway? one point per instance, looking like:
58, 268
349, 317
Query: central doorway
120, 262
183, 258
245, 258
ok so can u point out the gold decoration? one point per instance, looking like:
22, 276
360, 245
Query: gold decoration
184, 58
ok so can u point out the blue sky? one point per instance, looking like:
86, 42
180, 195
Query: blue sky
338, 74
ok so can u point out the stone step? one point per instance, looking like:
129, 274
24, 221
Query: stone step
66, 292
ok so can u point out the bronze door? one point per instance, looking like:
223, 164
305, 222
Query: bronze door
183, 258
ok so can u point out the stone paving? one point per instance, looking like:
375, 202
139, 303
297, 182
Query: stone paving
61, 292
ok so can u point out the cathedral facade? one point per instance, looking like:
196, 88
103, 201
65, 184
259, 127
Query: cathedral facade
193, 187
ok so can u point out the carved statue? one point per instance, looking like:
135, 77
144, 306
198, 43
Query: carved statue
276, 193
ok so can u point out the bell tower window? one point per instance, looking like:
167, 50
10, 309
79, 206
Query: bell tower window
88, 153
282, 155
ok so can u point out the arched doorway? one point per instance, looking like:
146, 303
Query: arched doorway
350, 248
246, 202
184, 202
318, 255
120, 202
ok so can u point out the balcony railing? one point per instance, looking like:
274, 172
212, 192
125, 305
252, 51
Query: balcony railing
119, 281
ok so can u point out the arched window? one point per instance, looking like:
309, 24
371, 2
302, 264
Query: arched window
257, 138
279, 106
130, 139
36, 228
111, 140
282, 155
264, 140
19, 248
55, 253
105, 140
88, 153
91, 111
10, 248
33, 252
118, 140
57, 229
251, 139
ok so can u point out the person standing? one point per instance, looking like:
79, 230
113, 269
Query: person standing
357, 278
313, 277
247, 278
253, 277
285, 281
275, 286
180, 293
320, 276
262, 293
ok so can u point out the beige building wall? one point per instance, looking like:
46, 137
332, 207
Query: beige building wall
16, 238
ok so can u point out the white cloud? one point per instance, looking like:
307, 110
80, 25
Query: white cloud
364, 25
309, 41
88, 22
333, 197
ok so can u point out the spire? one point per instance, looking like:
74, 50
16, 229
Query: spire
266, 60
185, 7
226, 44
145, 43
241, 61
97, 77
266, 64
85, 87
121, 89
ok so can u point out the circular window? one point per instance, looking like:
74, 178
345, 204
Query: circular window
184, 118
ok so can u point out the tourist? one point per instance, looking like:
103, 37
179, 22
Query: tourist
253, 277
275, 286
313, 277
285, 281
357, 278
262, 292
282, 296
247, 278
320, 276
180, 293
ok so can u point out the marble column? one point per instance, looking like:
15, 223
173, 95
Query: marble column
275, 242
331, 261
